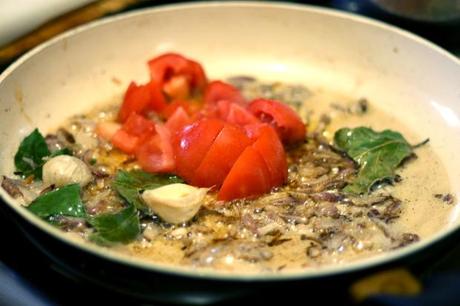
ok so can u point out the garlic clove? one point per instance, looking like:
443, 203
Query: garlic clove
64, 170
175, 203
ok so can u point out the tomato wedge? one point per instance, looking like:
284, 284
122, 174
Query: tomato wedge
249, 177
286, 121
240, 116
137, 99
217, 91
192, 143
177, 74
156, 153
221, 156
271, 149
138, 125
178, 120
124, 141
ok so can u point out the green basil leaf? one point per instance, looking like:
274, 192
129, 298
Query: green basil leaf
130, 183
378, 154
32, 154
64, 201
29, 158
121, 227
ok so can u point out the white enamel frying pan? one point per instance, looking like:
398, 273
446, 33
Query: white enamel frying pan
403, 74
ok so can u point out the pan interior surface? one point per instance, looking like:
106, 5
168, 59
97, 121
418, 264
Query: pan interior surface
404, 76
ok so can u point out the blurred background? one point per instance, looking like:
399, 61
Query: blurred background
26, 23
28, 277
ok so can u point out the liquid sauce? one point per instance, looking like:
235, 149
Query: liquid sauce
307, 223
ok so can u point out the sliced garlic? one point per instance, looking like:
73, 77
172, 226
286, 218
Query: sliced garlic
64, 169
175, 203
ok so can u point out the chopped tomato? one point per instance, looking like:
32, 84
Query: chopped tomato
217, 91
177, 87
106, 130
240, 116
271, 149
138, 125
190, 107
249, 177
156, 153
178, 120
221, 156
286, 121
124, 141
141, 99
192, 143
176, 74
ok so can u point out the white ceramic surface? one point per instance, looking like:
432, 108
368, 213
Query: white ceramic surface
402, 74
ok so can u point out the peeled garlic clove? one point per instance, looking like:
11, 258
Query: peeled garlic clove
175, 203
64, 170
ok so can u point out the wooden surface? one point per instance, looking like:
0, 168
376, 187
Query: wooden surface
58, 25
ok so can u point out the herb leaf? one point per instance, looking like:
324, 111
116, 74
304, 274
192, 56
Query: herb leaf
32, 154
377, 153
29, 158
64, 201
121, 227
130, 183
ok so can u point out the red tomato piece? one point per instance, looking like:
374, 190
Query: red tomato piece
137, 99
107, 130
192, 143
190, 107
221, 156
178, 120
124, 141
240, 116
271, 149
249, 177
217, 91
286, 121
167, 67
156, 153
138, 125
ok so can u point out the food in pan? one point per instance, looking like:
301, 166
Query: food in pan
232, 175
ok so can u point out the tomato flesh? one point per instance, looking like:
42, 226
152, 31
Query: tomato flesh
178, 120
221, 156
217, 91
286, 121
249, 177
156, 153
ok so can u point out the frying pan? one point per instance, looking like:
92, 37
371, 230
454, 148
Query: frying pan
404, 75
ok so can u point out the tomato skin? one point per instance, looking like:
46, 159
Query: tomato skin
217, 91
286, 121
192, 143
155, 154
271, 149
221, 156
137, 99
249, 177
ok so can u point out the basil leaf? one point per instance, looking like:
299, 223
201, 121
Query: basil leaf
32, 154
121, 227
64, 201
29, 158
130, 183
377, 154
